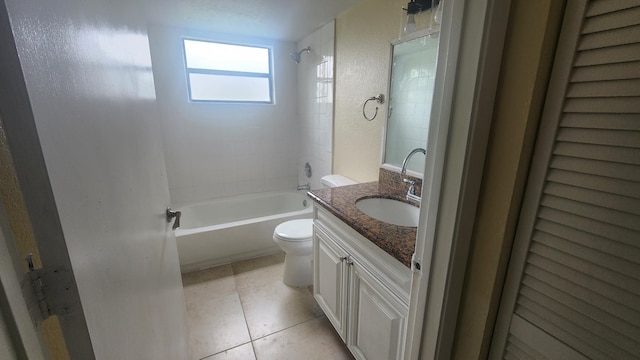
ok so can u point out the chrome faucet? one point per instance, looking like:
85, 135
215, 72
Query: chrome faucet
304, 187
411, 192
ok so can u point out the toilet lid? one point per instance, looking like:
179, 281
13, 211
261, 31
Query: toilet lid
294, 230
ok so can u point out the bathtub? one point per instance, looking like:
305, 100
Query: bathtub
235, 228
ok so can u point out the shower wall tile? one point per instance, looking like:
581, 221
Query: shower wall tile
315, 105
220, 150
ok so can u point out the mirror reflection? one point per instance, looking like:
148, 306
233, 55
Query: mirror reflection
413, 71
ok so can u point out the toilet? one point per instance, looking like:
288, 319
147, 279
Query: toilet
295, 238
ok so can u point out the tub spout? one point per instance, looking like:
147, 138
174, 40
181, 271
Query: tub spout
304, 187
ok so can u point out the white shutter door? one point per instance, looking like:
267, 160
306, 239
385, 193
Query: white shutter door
573, 288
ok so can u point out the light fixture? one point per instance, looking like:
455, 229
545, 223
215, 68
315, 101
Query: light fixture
437, 16
410, 26
414, 7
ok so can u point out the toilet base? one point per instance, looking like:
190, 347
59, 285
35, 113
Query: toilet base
298, 270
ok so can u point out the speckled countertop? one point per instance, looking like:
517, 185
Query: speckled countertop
397, 241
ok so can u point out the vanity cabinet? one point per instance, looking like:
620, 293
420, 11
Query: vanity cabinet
363, 291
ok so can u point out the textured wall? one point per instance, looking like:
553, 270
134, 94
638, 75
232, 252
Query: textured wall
363, 50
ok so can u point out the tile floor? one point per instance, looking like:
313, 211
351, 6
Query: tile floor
244, 311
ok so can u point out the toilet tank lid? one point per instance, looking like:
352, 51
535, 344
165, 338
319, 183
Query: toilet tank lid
334, 180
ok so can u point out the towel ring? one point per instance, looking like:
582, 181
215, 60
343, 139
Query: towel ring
379, 99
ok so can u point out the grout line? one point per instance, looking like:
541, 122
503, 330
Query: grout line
246, 323
275, 332
253, 347
242, 305
220, 352
289, 327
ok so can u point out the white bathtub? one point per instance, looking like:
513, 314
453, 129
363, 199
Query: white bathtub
235, 228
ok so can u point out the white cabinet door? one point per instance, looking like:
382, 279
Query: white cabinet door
376, 318
329, 280
366, 313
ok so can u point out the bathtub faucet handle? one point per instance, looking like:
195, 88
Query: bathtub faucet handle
171, 214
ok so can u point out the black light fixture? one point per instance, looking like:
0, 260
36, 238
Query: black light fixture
414, 7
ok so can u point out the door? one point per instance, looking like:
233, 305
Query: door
573, 286
82, 92
329, 280
377, 320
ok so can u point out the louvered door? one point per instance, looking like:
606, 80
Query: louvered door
573, 286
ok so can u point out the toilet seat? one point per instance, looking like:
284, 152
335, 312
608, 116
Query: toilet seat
294, 230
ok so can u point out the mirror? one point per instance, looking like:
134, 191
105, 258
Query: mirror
413, 72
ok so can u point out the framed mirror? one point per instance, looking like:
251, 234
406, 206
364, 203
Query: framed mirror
411, 83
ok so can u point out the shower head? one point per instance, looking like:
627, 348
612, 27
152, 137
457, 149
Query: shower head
297, 56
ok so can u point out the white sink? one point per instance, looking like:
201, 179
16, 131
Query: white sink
390, 211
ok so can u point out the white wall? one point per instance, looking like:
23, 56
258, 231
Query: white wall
315, 104
218, 150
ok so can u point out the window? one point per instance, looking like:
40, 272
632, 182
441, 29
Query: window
219, 72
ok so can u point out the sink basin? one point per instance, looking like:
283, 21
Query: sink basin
390, 211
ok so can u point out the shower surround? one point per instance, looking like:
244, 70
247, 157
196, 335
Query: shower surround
315, 104
221, 150
215, 150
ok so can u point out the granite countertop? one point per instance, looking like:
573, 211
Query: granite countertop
397, 241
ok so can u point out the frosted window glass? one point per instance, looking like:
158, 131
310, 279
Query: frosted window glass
229, 88
216, 56
228, 72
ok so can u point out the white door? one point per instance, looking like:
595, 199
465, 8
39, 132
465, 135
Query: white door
377, 320
330, 280
97, 193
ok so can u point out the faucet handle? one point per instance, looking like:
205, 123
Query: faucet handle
412, 187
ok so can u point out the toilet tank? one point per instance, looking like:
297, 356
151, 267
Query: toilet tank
335, 180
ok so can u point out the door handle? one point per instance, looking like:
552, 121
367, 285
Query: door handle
171, 214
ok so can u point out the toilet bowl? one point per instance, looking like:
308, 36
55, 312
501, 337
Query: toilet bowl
295, 238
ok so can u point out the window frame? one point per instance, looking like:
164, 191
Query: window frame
241, 74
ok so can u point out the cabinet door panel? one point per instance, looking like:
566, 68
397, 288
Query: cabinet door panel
377, 319
329, 281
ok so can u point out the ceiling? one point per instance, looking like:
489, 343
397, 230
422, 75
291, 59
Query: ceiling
289, 20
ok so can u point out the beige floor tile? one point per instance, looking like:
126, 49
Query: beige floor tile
216, 324
199, 276
242, 352
252, 273
314, 339
257, 263
207, 284
274, 306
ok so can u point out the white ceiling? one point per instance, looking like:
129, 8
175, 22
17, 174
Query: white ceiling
275, 19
